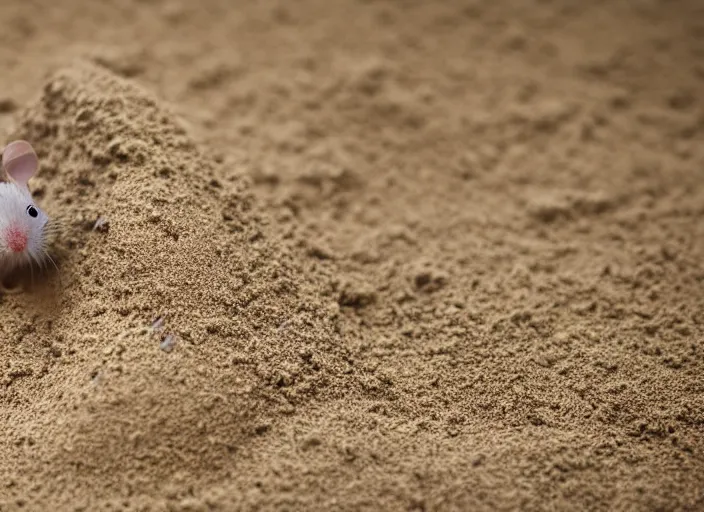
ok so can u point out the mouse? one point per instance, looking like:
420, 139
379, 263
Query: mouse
24, 225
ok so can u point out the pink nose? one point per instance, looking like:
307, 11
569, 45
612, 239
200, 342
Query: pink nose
16, 240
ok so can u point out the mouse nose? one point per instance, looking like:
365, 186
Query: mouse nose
16, 240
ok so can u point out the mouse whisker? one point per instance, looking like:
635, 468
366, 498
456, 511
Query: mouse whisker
48, 256
31, 273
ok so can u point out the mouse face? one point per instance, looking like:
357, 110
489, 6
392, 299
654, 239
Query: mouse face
22, 226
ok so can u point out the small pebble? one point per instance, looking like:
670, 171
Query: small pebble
158, 324
168, 344
102, 225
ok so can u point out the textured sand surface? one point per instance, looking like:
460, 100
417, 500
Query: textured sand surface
358, 255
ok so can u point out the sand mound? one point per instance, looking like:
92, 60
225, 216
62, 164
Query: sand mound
178, 328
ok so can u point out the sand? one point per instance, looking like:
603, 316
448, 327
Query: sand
358, 255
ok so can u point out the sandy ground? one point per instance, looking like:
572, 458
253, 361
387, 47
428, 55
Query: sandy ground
358, 255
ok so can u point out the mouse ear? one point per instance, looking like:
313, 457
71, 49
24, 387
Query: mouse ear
20, 161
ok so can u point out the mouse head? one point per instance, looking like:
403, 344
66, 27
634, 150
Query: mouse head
22, 223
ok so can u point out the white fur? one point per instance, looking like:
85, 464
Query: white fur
14, 201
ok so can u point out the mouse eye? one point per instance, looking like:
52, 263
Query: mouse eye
32, 211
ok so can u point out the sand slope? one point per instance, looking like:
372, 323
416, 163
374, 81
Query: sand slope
197, 266
359, 255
